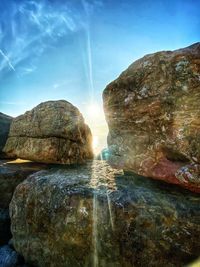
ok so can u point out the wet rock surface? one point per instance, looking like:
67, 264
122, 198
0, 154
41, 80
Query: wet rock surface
5, 122
153, 113
94, 215
52, 132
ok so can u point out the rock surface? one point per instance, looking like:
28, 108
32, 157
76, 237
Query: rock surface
12, 173
52, 132
5, 122
153, 115
93, 215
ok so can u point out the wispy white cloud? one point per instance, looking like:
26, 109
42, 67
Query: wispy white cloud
33, 26
12, 103
26, 70
6, 58
29, 25
63, 83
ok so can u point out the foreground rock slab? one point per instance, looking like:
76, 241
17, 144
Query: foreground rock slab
12, 173
5, 122
94, 215
52, 132
153, 113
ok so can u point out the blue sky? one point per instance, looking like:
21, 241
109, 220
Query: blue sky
72, 49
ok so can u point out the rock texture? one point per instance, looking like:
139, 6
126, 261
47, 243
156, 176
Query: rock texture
52, 132
11, 174
97, 216
5, 122
153, 114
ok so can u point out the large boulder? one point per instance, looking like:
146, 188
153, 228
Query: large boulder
5, 122
153, 115
95, 215
12, 173
52, 132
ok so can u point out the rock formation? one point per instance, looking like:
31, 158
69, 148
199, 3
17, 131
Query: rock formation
153, 115
5, 122
96, 216
52, 132
11, 174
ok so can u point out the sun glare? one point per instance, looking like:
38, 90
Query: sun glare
94, 110
95, 143
94, 117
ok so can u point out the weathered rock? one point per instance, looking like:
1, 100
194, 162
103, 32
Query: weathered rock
153, 115
5, 122
93, 215
11, 174
52, 132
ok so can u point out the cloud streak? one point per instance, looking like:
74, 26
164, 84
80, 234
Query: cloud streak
27, 28
6, 58
12, 103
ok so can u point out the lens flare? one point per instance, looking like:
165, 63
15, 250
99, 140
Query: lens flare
95, 143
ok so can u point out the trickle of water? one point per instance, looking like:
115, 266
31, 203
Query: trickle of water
110, 210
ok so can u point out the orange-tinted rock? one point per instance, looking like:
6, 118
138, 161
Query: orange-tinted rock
52, 132
153, 113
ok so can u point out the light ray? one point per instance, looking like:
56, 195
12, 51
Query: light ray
90, 67
87, 8
95, 231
